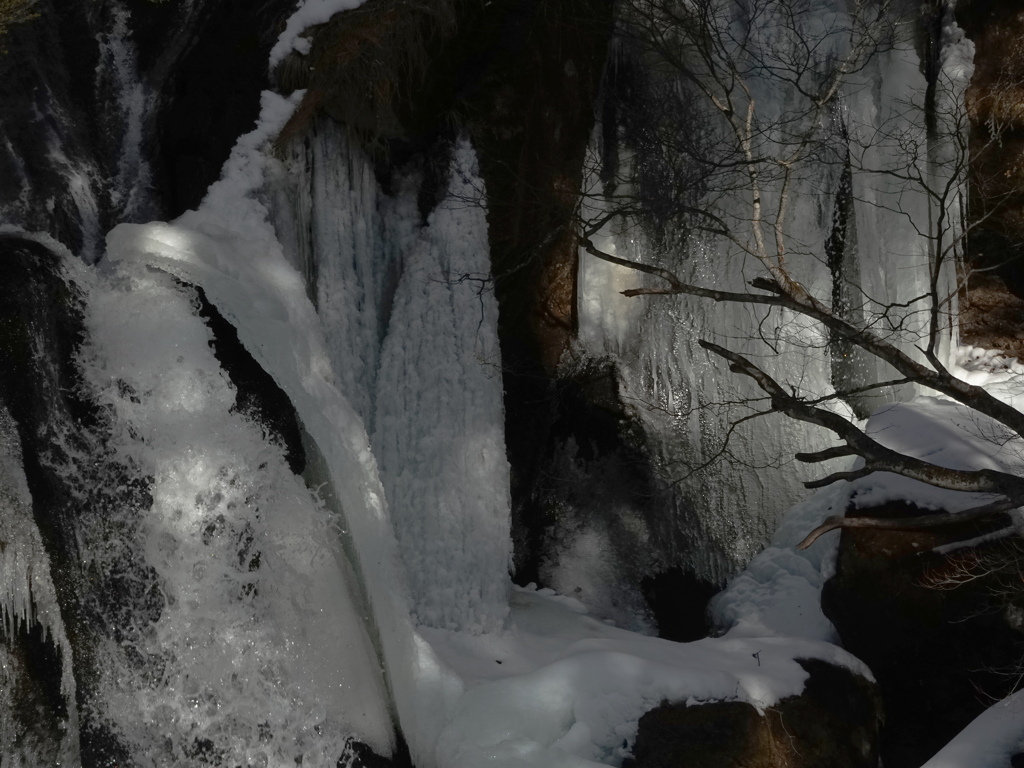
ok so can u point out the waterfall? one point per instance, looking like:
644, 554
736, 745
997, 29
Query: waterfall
259, 634
207, 596
131, 193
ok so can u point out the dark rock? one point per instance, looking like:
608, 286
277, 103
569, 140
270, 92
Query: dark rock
832, 724
990, 313
360, 755
30, 672
932, 628
51, 124
210, 93
530, 101
574, 465
257, 394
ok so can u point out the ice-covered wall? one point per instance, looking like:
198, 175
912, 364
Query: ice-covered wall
687, 400
411, 323
349, 240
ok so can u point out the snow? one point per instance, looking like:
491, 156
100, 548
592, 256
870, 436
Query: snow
989, 741
309, 13
778, 593
559, 688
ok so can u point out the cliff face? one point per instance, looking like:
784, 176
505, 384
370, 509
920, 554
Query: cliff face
144, 107
993, 304
521, 79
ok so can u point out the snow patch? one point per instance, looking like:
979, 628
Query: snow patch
308, 14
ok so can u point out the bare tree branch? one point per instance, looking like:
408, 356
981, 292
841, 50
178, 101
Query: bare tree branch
937, 520
877, 457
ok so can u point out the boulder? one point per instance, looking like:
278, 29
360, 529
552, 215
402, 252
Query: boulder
936, 629
833, 723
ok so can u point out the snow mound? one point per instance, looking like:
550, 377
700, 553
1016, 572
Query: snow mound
559, 688
989, 741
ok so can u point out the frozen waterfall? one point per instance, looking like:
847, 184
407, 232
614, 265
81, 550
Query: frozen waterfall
870, 199
224, 603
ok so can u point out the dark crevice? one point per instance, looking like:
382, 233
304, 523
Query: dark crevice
257, 394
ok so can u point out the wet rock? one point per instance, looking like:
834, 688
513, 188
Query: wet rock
208, 62
832, 724
52, 127
64, 457
679, 601
33, 710
359, 755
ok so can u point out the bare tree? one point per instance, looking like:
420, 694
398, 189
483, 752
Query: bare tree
769, 82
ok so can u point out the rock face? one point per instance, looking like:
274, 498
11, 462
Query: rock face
992, 302
938, 631
832, 724
209, 80
521, 78
40, 330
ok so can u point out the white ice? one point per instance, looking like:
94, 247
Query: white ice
439, 425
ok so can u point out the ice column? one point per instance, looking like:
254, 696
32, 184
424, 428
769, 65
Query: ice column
439, 423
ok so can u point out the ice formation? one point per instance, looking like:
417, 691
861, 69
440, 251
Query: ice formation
293, 621
27, 598
679, 390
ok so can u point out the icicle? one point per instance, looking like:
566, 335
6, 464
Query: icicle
27, 596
